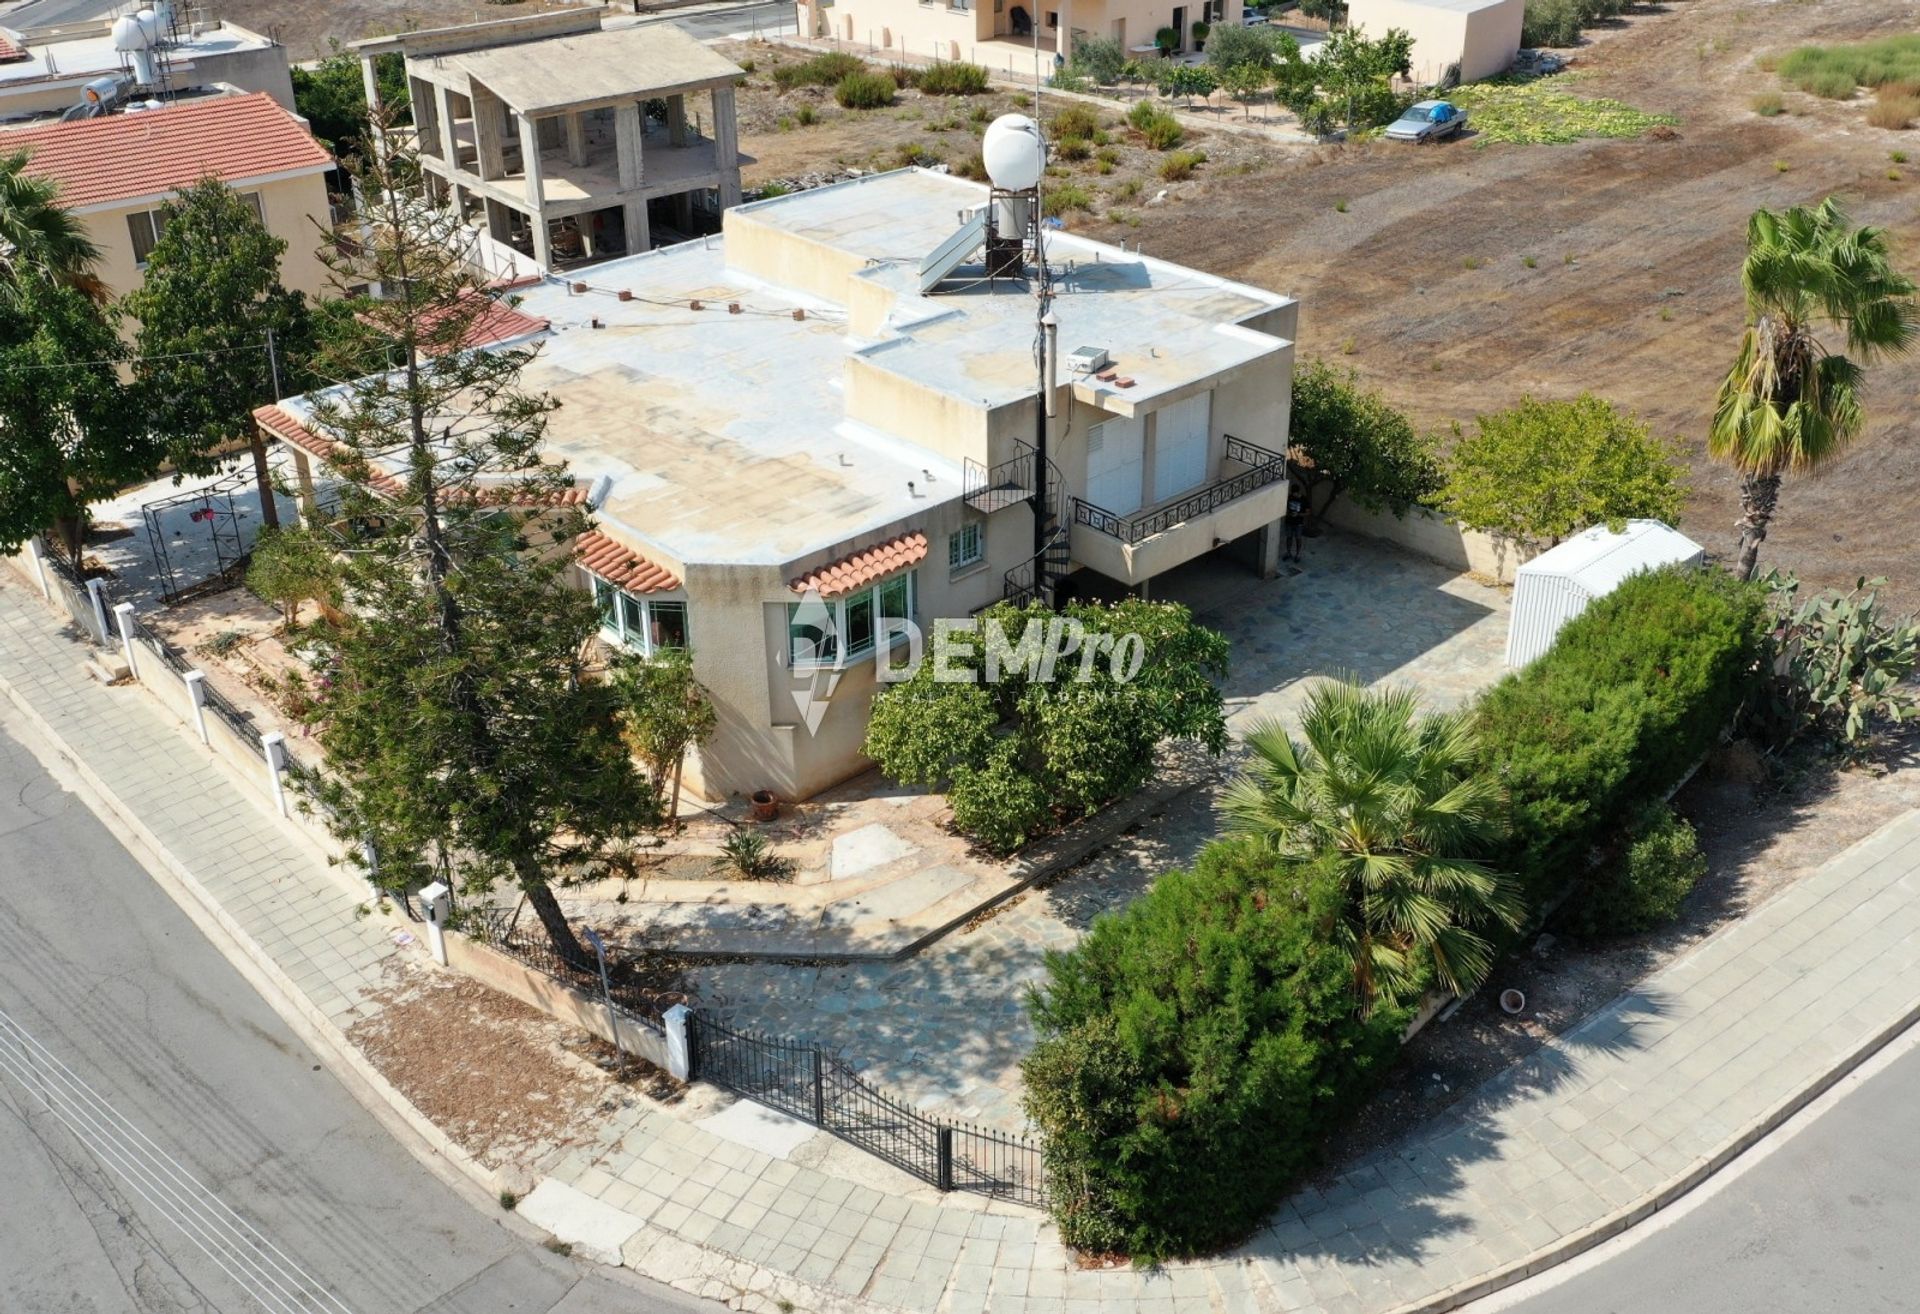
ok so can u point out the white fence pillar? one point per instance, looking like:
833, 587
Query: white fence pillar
436, 901
197, 703
99, 609
679, 1056
40, 567
123, 620
274, 745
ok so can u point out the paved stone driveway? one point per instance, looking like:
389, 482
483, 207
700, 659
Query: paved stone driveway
947, 1028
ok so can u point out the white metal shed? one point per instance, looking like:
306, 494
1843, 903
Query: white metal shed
1558, 584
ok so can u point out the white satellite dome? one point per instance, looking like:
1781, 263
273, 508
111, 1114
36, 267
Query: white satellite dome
129, 34
1015, 153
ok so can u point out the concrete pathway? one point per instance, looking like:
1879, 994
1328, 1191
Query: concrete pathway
1599, 1128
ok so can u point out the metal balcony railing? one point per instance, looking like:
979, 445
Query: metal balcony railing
1264, 467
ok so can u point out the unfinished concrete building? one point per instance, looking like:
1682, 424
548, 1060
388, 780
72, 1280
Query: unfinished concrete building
562, 142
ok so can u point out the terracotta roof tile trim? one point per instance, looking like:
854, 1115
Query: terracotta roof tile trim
621, 566
861, 568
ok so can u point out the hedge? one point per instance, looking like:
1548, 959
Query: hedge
1633, 692
1194, 1050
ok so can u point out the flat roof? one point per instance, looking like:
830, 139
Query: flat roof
89, 54
564, 72
725, 437
1169, 328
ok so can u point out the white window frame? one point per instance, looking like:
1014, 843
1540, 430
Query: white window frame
615, 620
844, 652
156, 225
974, 530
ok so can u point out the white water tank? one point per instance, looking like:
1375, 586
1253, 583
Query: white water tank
1014, 152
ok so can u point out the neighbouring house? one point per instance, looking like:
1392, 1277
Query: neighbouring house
45, 71
998, 33
564, 143
786, 443
1478, 38
116, 172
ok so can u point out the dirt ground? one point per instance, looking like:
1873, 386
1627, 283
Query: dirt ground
1758, 839
1637, 246
307, 29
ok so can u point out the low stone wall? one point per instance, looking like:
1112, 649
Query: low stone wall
1434, 536
497, 971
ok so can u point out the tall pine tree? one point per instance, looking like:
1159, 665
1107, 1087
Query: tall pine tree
462, 731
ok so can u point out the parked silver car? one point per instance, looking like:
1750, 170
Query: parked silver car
1429, 120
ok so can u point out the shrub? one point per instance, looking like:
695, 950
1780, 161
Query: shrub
1543, 470
1058, 200
1071, 148
1167, 39
1192, 1051
1075, 121
806, 116
865, 91
1634, 691
1099, 59
973, 167
1180, 165
951, 78
910, 153
748, 854
821, 71
1768, 104
1836, 71
1245, 47
291, 566
1551, 23
1893, 111
1353, 441
1078, 742
1161, 130
1645, 885
1837, 665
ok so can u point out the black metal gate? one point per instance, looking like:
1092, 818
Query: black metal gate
806, 1082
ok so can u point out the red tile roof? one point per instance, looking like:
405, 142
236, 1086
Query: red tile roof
124, 157
284, 426
863, 567
496, 322
11, 51
621, 566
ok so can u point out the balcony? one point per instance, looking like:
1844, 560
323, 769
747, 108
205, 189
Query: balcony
1132, 548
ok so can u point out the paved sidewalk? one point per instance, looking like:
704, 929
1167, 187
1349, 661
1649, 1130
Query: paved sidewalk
1598, 1128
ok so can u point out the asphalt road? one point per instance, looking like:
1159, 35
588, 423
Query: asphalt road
1826, 1222
171, 1067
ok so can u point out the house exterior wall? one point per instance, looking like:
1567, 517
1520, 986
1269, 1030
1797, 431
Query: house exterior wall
1483, 42
931, 29
296, 211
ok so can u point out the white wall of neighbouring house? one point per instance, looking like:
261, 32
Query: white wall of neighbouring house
1482, 39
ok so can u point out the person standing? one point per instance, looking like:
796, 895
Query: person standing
1293, 526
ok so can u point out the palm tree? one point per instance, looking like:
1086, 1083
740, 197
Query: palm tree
1392, 801
1787, 404
37, 235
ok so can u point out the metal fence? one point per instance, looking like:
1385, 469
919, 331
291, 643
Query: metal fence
497, 927
808, 1083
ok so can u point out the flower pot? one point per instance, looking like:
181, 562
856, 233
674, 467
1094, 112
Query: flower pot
1512, 1002
765, 806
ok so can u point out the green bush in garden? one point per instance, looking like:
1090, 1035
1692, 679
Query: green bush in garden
1645, 886
948, 78
1634, 691
865, 90
1193, 1050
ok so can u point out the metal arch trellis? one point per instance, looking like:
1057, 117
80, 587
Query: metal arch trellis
213, 507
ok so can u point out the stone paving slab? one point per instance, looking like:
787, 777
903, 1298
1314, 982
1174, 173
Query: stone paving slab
1643, 1100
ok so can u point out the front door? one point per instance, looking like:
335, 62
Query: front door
1179, 25
1116, 452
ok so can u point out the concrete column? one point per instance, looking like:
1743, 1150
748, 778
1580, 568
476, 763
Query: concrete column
639, 232
627, 125
679, 1053
490, 136
576, 138
196, 682
1063, 40
683, 212
1149, 453
677, 120
1268, 546
123, 619
726, 147
530, 160
370, 81
443, 112
303, 473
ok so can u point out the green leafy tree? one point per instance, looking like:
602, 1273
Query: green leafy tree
216, 327
1349, 77
39, 236
1098, 59
665, 712
1192, 1052
1544, 470
1394, 802
1347, 439
292, 566
332, 97
1231, 47
1788, 403
1245, 82
461, 730
1022, 740
71, 433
